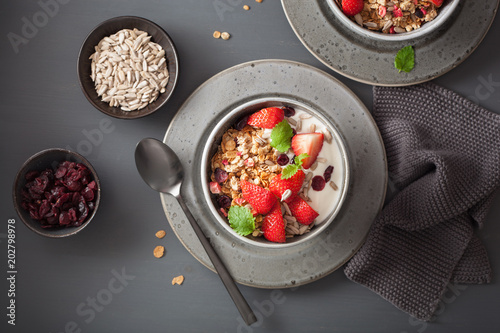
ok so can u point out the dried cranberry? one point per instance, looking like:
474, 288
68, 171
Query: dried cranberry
44, 208
64, 218
92, 185
283, 159
61, 171
220, 175
72, 175
72, 214
88, 194
73, 185
30, 176
419, 13
53, 196
328, 173
289, 111
318, 183
223, 201
52, 220
241, 123
62, 199
83, 209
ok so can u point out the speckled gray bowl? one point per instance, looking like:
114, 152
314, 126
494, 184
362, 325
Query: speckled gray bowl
215, 139
444, 14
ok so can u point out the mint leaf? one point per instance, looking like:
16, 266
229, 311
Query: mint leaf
405, 59
241, 220
291, 169
281, 136
299, 159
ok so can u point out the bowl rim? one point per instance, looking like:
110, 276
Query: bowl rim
428, 27
82, 60
25, 167
252, 106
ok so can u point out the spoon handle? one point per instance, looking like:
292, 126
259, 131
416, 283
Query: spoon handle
238, 299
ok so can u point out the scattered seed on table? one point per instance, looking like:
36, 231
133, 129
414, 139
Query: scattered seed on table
216, 34
178, 280
225, 35
246, 7
159, 251
160, 234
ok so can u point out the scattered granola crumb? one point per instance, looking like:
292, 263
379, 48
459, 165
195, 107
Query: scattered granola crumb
159, 251
259, 1
216, 34
178, 280
160, 234
225, 35
246, 7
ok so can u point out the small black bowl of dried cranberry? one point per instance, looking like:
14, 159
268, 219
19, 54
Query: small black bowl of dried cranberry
56, 193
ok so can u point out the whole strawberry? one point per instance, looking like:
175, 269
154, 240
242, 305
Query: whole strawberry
266, 118
278, 185
261, 200
273, 225
352, 7
302, 211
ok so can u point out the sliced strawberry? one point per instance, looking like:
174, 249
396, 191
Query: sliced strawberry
259, 198
278, 185
266, 118
302, 211
438, 3
273, 225
309, 143
352, 7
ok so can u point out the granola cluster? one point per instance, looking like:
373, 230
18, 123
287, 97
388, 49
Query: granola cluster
248, 155
395, 16
245, 155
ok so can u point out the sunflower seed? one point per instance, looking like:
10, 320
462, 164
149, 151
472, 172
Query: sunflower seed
327, 134
128, 69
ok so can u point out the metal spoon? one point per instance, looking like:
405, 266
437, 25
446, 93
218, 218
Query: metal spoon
161, 169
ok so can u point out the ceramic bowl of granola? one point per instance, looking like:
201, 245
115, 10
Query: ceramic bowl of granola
394, 20
276, 172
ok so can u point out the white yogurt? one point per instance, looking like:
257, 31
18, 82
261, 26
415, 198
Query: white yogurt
326, 200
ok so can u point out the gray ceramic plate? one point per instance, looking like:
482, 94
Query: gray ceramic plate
278, 79
372, 61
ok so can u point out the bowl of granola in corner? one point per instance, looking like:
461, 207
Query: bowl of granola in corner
393, 20
276, 172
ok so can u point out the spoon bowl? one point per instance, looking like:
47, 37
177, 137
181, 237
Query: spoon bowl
162, 170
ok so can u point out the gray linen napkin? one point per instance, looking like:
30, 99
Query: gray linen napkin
443, 154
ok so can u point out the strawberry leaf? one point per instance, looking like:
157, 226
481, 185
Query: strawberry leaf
405, 59
291, 169
241, 220
281, 136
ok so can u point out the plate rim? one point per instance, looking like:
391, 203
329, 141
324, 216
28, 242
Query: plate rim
433, 74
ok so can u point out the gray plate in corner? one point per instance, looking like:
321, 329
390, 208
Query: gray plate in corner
308, 261
372, 62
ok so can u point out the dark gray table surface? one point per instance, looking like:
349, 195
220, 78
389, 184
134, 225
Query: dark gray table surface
105, 279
